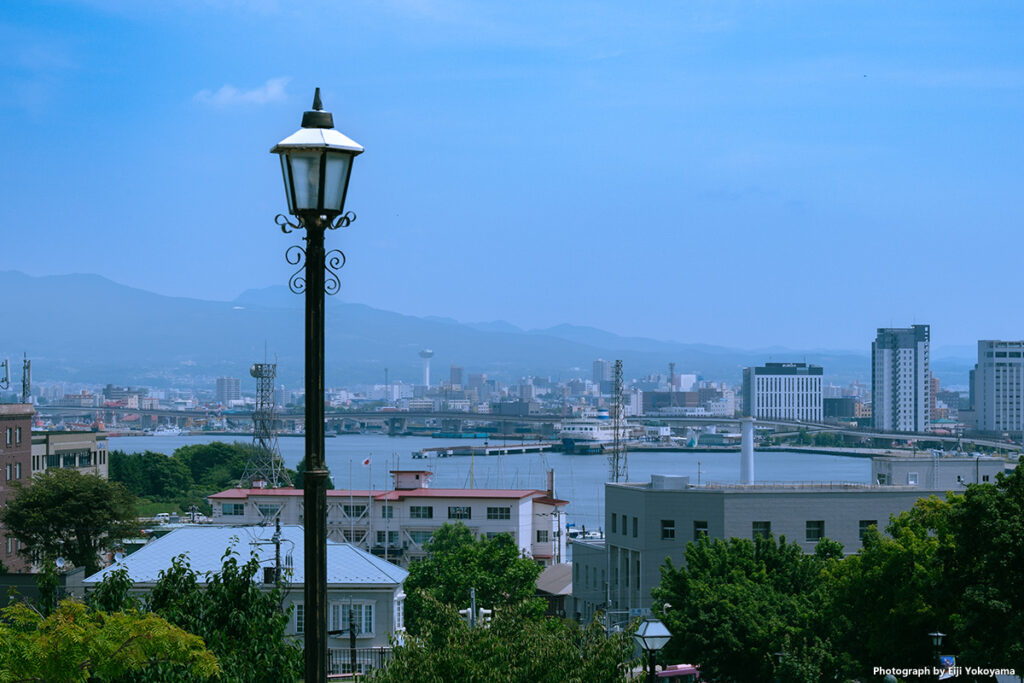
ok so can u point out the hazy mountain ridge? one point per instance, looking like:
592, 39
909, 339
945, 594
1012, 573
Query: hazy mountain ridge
87, 328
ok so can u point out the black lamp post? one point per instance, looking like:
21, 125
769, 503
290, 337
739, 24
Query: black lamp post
316, 162
651, 636
936, 638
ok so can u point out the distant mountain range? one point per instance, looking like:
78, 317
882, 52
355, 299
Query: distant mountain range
88, 329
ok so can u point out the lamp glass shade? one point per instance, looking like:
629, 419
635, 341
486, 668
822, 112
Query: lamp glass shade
652, 634
936, 638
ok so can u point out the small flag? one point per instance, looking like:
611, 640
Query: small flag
366, 462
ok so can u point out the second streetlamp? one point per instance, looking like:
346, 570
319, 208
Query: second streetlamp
316, 162
651, 636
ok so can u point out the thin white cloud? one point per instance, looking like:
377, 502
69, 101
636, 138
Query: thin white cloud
228, 95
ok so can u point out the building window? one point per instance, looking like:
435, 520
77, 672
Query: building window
53, 460
9, 472
268, 511
85, 459
17, 432
700, 529
17, 471
387, 512
459, 512
361, 613
864, 525
763, 529
232, 508
353, 510
420, 537
815, 530
882, 479
984, 477
68, 459
636, 574
635, 526
10, 432
668, 529
421, 512
300, 618
391, 536
614, 526
499, 513
912, 478
542, 535
400, 615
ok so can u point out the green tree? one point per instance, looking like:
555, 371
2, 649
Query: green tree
242, 624
739, 601
75, 644
516, 646
66, 513
902, 571
456, 562
986, 571
215, 466
151, 475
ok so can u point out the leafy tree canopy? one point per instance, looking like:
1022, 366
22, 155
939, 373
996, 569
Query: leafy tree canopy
75, 644
66, 513
738, 601
517, 646
456, 562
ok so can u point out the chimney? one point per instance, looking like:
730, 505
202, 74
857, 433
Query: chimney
551, 483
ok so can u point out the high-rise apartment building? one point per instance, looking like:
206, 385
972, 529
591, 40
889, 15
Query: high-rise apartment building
783, 391
999, 386
455, 376
901, 379
228, 389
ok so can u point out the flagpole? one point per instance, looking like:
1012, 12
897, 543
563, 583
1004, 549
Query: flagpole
369, 507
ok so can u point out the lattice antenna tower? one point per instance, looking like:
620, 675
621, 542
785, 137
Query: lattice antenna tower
26, 380
265, 463
617, 461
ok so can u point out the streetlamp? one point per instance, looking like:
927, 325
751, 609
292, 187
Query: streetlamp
651, 636
936, 638
316, 162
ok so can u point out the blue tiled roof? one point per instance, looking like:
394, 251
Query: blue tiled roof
205, 547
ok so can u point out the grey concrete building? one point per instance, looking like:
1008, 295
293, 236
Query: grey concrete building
645, 523
783, 391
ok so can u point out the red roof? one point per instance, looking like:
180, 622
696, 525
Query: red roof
548, 500
538, 496
458, 493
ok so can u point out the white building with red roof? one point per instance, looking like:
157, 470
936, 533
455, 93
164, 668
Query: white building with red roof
396, 524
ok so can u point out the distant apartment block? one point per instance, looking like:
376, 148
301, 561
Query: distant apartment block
783, 391
999, 386
901, 379
397, 524
228, 389
83, 451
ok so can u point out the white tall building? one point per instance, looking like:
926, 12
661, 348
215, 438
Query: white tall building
783, 391
999, 386
901, 379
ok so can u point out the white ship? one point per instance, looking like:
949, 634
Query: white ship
166, 430
590, 434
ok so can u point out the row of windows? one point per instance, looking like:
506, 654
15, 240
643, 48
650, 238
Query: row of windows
814, 529
69, 459
387, 511
625, 525
13, 471
14, 436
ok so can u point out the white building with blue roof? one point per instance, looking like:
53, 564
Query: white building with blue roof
356, 579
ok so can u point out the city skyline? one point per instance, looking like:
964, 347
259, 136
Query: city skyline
748, 176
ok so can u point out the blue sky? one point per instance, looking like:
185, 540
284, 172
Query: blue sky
740, 173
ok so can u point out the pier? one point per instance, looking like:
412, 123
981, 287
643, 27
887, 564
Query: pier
473, 450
